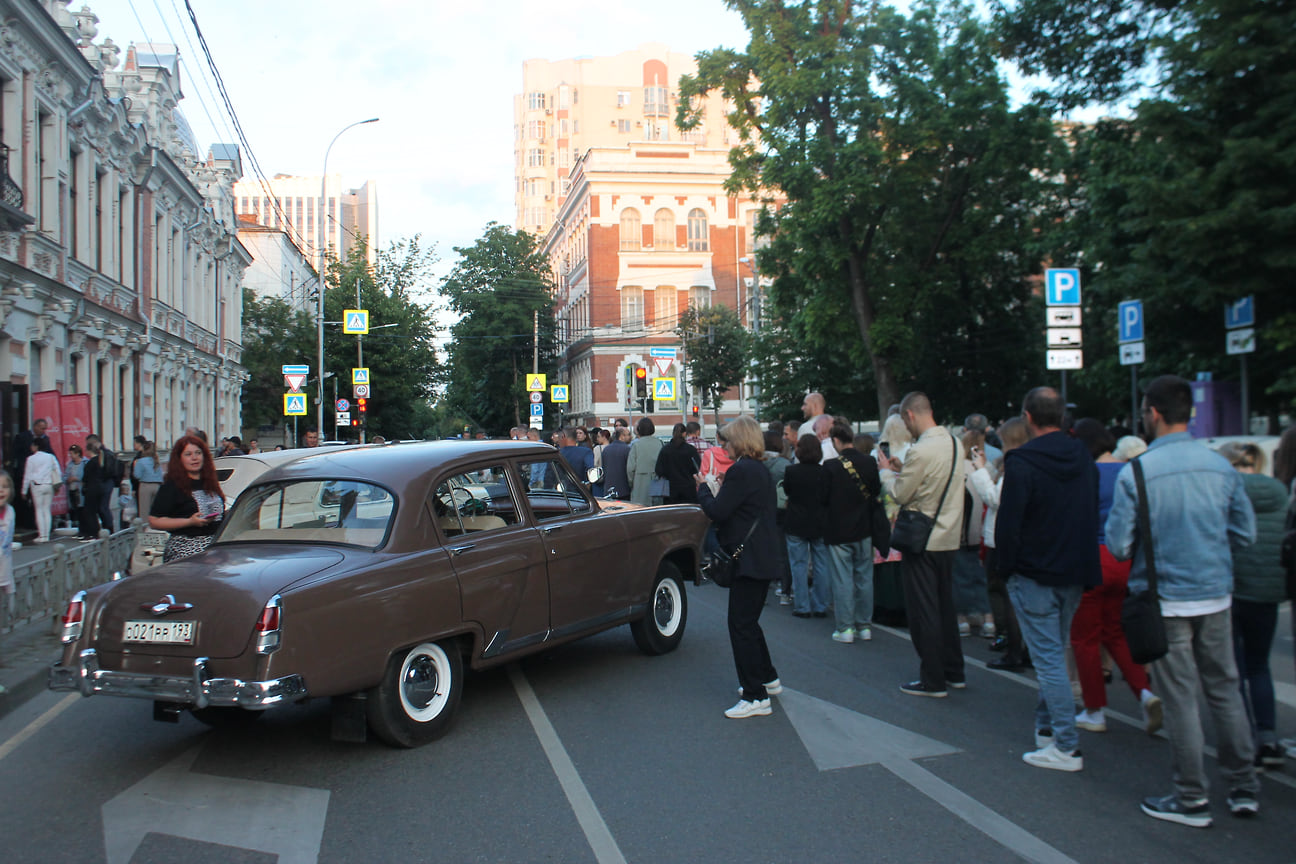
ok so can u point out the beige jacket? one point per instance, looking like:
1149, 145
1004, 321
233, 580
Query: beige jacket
920, 481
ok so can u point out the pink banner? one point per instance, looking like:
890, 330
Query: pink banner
47, 405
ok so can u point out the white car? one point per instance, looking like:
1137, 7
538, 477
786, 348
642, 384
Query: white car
234, 473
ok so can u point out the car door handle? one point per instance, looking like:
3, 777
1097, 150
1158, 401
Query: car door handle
551, 529
459, 550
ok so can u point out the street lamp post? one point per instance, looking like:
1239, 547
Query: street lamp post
319, 311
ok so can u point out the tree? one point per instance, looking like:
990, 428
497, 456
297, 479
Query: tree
500, 287
273, 335
400, 350
911, 189
1189, 204
717, 349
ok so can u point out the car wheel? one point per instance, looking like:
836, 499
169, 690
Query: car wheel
226, 717
420, 690
662, 628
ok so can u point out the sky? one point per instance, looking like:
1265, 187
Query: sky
439, 75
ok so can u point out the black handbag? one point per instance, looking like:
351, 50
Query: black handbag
1141, 619
723, 569
913, 528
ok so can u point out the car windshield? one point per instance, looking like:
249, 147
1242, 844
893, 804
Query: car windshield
350, 512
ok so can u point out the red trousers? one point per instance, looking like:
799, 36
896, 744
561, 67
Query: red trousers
1096, 625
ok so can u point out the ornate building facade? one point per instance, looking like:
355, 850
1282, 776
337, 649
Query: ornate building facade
120, 264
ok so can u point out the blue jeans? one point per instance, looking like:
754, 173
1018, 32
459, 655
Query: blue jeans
1253, 634
1044, 613
801, 552
852, 581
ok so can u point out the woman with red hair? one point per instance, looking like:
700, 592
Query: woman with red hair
189, 504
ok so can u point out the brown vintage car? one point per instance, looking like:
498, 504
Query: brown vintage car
373, 575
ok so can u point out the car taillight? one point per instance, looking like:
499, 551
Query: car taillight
267, 626
72, 618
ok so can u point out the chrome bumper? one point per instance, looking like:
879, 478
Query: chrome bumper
197, 690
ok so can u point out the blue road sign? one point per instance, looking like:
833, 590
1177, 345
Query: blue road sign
661, 352
537, 410
1062, 287
1240, 313
1129, 324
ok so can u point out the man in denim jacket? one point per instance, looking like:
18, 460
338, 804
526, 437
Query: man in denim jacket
1198, 508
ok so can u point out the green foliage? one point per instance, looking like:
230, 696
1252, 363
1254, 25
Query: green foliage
718, 348
497, 287
273, 335
912, 190
1191, 203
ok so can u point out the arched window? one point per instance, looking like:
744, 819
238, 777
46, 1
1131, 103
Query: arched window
631, 230
697, 230
664, 229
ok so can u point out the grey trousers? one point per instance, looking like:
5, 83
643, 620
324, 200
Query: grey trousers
1201, 653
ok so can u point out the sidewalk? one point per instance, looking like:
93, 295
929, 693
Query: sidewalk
26, 653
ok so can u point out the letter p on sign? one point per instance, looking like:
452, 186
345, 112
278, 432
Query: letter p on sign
1062, 287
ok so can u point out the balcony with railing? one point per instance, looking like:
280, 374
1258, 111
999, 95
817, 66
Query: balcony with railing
12, 215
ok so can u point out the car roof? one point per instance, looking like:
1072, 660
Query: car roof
395, 465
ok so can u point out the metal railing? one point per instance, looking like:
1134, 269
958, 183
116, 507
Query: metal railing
12, 193
42, 587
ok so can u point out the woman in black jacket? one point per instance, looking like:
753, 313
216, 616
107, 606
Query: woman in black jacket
677, 463
805, 483
745, 512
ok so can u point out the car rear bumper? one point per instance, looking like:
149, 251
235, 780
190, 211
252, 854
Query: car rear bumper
196, 690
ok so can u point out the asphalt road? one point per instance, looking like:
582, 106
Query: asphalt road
592, 752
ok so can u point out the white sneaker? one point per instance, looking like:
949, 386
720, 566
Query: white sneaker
846, 636
1091, 721
864, 634
964, 628
1152, 713
759, 708
772, 688
1052, 757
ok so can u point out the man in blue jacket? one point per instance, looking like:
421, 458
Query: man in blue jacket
1046, 537
1197, 509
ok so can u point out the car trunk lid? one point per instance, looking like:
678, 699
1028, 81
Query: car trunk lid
222, 592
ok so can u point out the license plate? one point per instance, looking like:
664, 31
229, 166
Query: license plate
160, 632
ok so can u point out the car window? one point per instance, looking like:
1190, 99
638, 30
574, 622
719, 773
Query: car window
477, 500
352, 512
552, 489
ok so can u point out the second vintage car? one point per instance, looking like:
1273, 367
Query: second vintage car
376, 575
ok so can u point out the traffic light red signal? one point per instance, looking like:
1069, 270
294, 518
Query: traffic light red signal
695, 410
362, 405
641, 382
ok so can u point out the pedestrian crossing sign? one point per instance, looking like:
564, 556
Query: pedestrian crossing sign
663, 389
559, 393
295, 404
535, 381
355, 322
359, 376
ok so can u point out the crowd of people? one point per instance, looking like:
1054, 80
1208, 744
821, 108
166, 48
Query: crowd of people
1031, 534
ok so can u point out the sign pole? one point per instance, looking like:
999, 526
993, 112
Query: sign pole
1246, 400
1134, 412
1064, 399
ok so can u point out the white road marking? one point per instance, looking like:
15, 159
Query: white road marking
287, 821
838, 737
598, 835
36, 725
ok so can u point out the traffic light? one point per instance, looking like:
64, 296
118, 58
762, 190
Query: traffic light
641, 382
362, 405
695, 410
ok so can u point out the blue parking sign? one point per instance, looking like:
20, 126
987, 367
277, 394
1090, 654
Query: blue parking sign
1129, 324
537, 410
1240, 313
1062, 286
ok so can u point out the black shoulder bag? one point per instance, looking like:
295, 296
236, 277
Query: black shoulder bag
913, 527
724, 565
879, 524
1141, 619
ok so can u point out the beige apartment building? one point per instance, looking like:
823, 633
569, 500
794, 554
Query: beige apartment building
646, 230
567, 107
292, 205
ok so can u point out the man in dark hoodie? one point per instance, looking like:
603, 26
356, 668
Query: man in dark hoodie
1044, 535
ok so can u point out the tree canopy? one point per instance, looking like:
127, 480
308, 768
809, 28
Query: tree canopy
718, 348
499, 287
910, 189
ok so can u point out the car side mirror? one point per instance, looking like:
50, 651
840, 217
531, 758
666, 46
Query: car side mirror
594, 475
